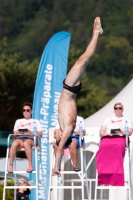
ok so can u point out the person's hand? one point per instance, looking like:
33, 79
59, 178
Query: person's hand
29, 132
76, 133
84, 132
120, 132
21, 180
57, 135
123, 132
18, 132
104, 134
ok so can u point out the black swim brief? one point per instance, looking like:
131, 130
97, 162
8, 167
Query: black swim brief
73, 89
68, 142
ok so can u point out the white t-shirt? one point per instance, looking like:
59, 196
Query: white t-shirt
79, 119
27, 123
117, 122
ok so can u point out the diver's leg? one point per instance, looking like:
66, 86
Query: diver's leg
75, 74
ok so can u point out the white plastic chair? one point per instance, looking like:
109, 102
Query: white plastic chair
57, 183
36, 148
126, 190
91, 145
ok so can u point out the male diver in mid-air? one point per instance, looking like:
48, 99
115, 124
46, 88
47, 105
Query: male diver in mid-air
67, 110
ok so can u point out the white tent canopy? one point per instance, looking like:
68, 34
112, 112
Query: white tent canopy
94, 122
125, 97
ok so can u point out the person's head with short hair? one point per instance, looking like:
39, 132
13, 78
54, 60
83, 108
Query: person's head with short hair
118, 109
28, 104
27, 110
22, 190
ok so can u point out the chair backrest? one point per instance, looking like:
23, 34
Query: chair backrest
51, 135
92, 134
92, 139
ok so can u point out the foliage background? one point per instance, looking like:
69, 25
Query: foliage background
9, 192
25, 28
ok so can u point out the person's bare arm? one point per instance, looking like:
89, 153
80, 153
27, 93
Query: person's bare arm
130, 130
30, 184
77, 133
84, 132
16, 132
31, 132
39, 133
57, 135
103, 131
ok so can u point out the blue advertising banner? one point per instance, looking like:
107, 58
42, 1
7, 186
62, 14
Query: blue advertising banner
51, 73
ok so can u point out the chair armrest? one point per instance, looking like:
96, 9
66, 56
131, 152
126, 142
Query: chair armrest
8, 139
36, 136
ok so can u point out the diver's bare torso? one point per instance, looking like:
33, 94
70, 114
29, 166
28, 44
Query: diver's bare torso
67, 111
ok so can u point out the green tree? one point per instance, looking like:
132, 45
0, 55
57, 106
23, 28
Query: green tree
9, 192
115, 59
29, 24
111, 67
17, 82
91, 98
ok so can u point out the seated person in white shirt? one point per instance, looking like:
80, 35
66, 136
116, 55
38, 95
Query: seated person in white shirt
73, 143
23, 141
109, 158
